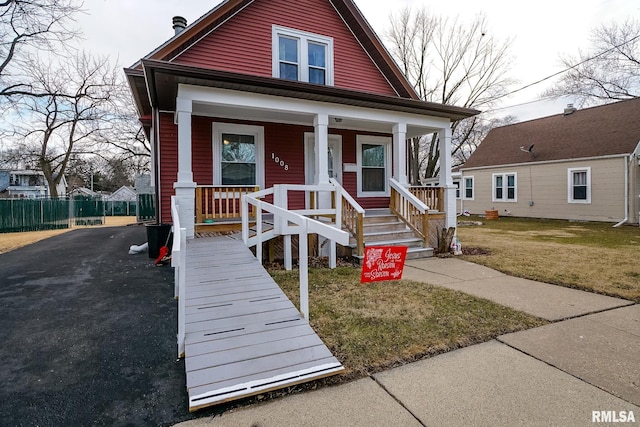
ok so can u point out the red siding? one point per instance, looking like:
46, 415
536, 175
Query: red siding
350, 179
283, 141
168, 164
243, 44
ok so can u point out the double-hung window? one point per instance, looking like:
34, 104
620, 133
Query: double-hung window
302, 56
468, 188
505, 187
238, 155
579, 185
374, 165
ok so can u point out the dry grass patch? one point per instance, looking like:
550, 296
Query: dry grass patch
589, 256
371, 327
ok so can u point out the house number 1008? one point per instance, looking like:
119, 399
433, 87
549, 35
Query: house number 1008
279, 161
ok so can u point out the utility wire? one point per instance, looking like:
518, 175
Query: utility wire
560, 72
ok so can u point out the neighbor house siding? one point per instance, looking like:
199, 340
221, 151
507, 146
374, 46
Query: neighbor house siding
243, 44
634, 190
546, 185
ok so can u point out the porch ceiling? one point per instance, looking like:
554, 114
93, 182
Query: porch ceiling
291, 117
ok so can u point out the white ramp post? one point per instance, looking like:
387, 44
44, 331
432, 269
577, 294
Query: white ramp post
303, 270
182, 292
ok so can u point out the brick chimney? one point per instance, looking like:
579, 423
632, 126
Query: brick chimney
179, 24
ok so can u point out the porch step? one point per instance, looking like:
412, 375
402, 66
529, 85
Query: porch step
382, 228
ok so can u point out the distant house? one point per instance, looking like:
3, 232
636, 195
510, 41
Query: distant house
122, 194
84, 192
29, 184
579, 165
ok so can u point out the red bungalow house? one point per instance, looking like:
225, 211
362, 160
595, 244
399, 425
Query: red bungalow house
263, 92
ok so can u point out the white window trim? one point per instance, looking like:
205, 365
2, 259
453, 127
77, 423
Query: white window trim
374, 140
303, 53
258, 134
473, 188
570, 172
504, 187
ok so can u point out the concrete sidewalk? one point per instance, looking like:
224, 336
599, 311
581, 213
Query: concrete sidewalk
557, 374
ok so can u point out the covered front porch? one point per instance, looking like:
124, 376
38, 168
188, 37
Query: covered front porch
231, 134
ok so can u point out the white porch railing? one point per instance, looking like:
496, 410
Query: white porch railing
178, 261
410, 209
287, 223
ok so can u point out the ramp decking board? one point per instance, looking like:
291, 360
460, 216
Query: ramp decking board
243, 335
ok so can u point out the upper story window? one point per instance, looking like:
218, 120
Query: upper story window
302, 56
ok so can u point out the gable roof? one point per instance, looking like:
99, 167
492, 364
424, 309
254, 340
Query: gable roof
606, 130
347, 10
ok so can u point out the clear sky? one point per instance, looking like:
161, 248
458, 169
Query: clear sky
541, 30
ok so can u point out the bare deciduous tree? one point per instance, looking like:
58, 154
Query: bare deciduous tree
609, 72
452, 63
67, 121
30, 26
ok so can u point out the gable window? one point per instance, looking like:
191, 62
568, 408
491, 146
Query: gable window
468, 188
505, 187
374, 165
302, 56
238, 155
579, 185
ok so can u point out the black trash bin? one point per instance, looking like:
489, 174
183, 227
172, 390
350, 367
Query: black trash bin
157, 237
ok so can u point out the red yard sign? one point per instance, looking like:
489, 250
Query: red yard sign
383, 263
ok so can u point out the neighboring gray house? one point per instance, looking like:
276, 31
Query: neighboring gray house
122, 194
580, 165
30, 184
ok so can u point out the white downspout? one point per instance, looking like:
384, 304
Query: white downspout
626, 191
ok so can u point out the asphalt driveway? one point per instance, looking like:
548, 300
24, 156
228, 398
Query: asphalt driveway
88, 334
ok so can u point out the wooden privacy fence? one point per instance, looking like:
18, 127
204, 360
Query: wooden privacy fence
18, 215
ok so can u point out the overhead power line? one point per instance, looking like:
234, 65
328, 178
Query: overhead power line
560, 72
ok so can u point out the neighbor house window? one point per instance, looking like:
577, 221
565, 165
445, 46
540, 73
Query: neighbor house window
505, 187
374, 165
302, 56
468, 188
579, 185
457, 184
238, 155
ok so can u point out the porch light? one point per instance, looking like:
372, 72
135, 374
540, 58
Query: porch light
338, 119
225, 142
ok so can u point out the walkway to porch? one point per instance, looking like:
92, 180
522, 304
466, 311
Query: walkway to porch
243, 335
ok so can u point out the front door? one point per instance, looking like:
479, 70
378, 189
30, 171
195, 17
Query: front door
335, 158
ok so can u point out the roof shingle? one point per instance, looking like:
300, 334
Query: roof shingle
593, 132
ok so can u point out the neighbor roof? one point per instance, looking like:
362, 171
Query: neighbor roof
611, 129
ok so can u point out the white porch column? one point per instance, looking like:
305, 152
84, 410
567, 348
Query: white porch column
446, 181
400, 153
321, 148
184, 186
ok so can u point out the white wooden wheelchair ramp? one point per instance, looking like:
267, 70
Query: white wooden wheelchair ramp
243, 335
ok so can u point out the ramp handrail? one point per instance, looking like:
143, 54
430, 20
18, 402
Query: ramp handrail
302, 227
178, 261
409, 209
352, 216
